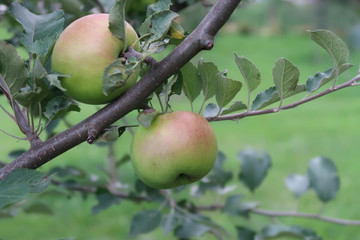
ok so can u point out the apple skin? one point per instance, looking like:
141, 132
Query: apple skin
178, 148
83, 50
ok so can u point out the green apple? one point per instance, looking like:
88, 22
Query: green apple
176, 149
84, 49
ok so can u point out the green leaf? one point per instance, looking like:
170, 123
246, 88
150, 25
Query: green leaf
37, 181
157, 7
191, 228
37, 89
249, 71
297, 184
192, 83
39, 208
12, 68
211, 110
117, 20
144, 222
208, 72
333, 45
147, 116
117, 73
254, 167
321, 78
174, 86
12, 193
217, 177
59, 106
161, 23
236, 106
19, 183
235, 206
245, 233
286, 77
54, 80
110, 135
270, 96
276, 231
171, 221
105, 200
226, 89
40, 31
323, 178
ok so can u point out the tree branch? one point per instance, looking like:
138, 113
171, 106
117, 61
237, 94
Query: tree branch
272, 214
201, 38
305, 215
237, 116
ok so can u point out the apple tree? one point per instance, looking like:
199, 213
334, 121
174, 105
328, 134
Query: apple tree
89, 54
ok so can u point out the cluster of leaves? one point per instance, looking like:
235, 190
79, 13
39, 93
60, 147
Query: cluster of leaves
182, 216
286, 78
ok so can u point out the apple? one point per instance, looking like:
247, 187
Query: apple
177, 148
83, 51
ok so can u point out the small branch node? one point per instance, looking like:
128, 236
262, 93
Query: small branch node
207, 43
91, 135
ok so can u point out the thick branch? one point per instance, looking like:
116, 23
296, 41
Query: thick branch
201, 38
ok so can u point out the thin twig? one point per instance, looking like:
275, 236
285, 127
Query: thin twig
238, 116
274, 214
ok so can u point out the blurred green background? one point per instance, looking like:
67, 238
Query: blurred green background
262, 31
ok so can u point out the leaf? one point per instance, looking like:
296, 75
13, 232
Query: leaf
117, 73
217, 177
297, 184
110, 134
236, 106
144, 222
211, 110
117, 20
270, 96
208, 72
254, 167
286, 77
249, 71
171, 221
321, 78
161, 23
235, 206
36, 89
105, 200
226, 89
174, 86
16, 153
19, 183
176, 31
157, 7
40, 31
39, 208
192, 83
12, 193
191, 228
147, 116
323, 178
59, 106
37, 181
245, 233
12, 68
276, 231
54, 80
333, 45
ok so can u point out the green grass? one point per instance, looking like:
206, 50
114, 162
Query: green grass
327, 126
